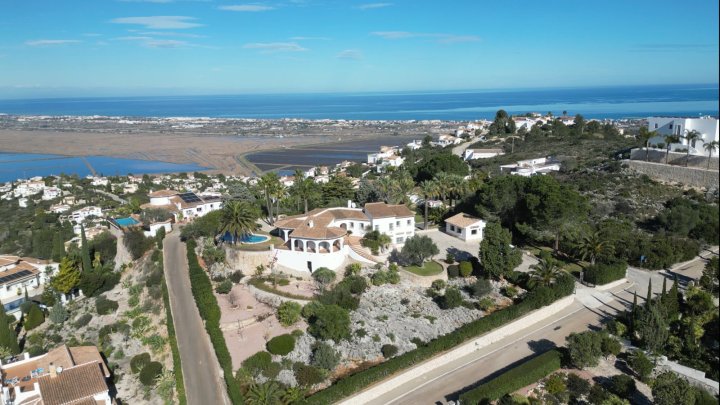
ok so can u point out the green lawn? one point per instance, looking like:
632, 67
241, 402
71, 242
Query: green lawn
428, 269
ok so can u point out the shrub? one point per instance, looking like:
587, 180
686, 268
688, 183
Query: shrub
418, 249
453, 271
307, 376
284, 282
257, 363
514, 379
603, 273
585, 348
555, 384
438, 285
224, 287
323, 276
352, 269
389, 351
449, 258
136, 242
451, 299
104, 306
288, 313
577, 386
466, 269
641, 365
83, 320
325, 357
139, 361
510, 291
622, 385
330, 322
236, 276
281, 345
481, 288
485, 304
150, 373
34, 318
617, 328
609, 345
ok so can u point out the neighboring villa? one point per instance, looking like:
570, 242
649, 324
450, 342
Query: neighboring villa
19, 274
387, 157
186, 205
471, 154
82, 214
706, 126
65, 375
447, 140
532, 167
465, 227
320, 238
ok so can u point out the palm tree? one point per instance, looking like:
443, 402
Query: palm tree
593, 246
429, 189
691, 136
669, 140
644, 137
545, 272
388, 189
710, 147
443, 181
269, 183
268, 393
238, 219
457, 187
404, 185
293, 395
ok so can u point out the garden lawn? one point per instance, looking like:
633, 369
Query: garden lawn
427, 269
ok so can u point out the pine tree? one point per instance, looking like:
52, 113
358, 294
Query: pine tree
58, 247
85, 251
8, 339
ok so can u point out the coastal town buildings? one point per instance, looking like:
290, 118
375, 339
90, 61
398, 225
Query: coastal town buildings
707, 127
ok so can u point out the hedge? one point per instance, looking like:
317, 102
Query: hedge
207, 305
150, 373
537, 298
139, 361
514, 379
281, 345
603, 273
177, 365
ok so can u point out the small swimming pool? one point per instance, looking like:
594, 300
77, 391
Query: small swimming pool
250, 239
125, 222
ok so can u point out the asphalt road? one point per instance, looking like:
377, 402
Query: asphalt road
201, 371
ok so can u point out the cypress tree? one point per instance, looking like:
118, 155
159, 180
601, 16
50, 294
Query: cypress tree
58, 247
672, 303
85, 251
8, 339
633, 313
648, 299
664, 291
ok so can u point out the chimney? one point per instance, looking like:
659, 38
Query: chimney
53, 370
311, 223
350, 204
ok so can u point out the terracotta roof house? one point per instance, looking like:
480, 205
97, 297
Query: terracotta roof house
319, 238
18, 274
464, 226
64, 375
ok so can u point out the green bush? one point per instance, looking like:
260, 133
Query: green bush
451, 299
577, 386
257, 363
466, 269
514, 379
610, 345
34, 318
236, 276
389, 351
325, 357
453, 271
535, 299
622, 385
641, 365
224, 287
177, 364
481, 288
603, 273
139, 361
82, 320
150, 373
288, 313
329, 322
281, 345
104, 306
307, 376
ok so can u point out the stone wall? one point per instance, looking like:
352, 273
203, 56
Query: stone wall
674, 158
688, 176
246, 261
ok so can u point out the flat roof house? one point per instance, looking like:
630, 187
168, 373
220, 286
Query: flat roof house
189, 205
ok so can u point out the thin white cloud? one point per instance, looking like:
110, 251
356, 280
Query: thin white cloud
150, 42
350, 54
250, 8
371, 6
275, 46
51, 42
438, 37
92, 34
309, 38
170, 34
160, 22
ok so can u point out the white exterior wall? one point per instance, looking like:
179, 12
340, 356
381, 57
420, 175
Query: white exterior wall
155, 227
708, 127
297, 260
398, 233
159, 200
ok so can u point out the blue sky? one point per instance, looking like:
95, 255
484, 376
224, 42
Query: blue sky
169, 47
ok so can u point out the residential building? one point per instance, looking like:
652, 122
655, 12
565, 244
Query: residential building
84, 213
414, 145
319, 238
471, 154
59, 208
680, 126
64, 375
464, 226
18, 274
385, 152
447, 140
531, 167
186, 205
51, 193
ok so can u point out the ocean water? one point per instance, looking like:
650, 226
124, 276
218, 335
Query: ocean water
600, 102
25, 165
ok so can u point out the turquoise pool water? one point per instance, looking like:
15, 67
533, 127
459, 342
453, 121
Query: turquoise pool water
251, 238
126, 221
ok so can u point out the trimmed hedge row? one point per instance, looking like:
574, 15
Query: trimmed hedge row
603, 273
537, 298
514, 379
209, 310
177, 366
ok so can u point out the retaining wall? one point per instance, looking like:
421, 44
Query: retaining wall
246, 261
674, 158
688, 176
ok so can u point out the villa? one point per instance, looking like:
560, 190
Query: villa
64, 375
531, 167
465, 227
82, 214
447, 140
706, 126
19, 274
471, 154
321, 237
186, 205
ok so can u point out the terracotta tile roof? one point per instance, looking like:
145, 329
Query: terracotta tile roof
72, 385
336, 213
382, 210
462, 220
163, 193
8, 260
22, 266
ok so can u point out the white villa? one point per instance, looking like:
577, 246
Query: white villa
320, 238
18, 274
385, 152
531, 167
447, 140
465, 227
706, 126
84, 213
471, 154
188, 205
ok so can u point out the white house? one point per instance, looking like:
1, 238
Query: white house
471, 154
83, 213
154, 227
59, 208
679, 126
465, 227
64, 375
385, 152
414, 145
51, 193
531, 167
447, 140
318, 238
188, 205
18, 274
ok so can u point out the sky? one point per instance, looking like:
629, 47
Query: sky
51, 48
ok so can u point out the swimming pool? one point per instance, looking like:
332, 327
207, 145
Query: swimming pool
250, 239
125, 222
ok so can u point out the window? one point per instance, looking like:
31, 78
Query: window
408, 222
352, 225
391, 226
473, 232
670, 126
397, 223
377, 227
656, 125
400, 240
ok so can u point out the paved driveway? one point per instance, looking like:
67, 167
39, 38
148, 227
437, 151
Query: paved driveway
450, 244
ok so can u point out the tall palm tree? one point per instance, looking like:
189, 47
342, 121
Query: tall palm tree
593, 246
388, 189
691, 136
545, 272
429, 189
669, 140
443, 181
404, 185
644, 137
269, 393
457, 187
280, 193
268, 184
238, 219
709, 148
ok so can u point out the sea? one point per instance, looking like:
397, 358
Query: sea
592, 102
